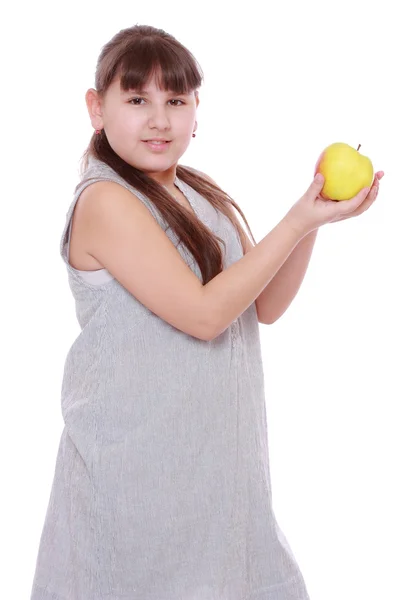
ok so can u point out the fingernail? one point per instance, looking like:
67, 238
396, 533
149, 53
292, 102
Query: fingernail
318, 178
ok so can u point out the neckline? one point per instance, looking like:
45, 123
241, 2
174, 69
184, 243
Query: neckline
186, 192
181, 185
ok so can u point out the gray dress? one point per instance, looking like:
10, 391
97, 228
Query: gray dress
162, 487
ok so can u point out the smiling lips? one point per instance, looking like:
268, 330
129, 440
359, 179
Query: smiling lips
157, 144
157, 140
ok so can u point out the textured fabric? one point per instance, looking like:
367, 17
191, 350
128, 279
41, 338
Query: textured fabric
162, 486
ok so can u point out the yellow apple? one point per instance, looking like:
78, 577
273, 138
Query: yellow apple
345, 170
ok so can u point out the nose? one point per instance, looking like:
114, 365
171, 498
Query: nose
158, 117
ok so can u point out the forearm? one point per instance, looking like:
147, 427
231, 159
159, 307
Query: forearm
276, 298
232, 291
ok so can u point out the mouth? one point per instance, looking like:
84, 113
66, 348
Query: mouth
157, 141
157, 144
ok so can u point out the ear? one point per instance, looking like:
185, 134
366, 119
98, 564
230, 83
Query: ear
94, 108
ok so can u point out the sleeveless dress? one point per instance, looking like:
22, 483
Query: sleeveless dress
162, 487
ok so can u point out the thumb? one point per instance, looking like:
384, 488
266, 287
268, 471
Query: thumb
316, 186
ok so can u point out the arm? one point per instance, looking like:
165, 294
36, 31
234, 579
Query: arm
282, 289
120, 232
277, 296
232, 291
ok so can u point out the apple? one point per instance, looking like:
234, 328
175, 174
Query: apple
345, 170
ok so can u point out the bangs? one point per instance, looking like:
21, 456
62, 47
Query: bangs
175, 70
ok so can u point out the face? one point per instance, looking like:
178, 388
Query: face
129, 118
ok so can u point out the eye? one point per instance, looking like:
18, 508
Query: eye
133, 99
139, 98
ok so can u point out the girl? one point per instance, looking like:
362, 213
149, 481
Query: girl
162, 487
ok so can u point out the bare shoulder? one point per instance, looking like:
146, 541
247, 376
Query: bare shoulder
79, 257
89, 198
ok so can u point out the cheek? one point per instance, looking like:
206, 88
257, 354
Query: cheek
185, 134
183, 121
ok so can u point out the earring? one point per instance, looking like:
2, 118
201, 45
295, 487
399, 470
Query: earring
193, 135
98, 131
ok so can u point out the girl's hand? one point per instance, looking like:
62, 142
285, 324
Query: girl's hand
312, 211
369, 200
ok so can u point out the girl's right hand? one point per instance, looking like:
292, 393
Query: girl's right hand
312, 211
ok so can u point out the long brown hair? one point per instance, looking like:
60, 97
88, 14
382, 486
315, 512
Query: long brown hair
134, 55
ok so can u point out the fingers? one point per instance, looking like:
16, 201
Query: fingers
378, 176
365, 204
316, 186
375, 185
372, 194
374, 189
369, 200
348, 206
319, 180
366, 195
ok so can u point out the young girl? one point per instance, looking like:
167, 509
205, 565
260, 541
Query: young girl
162, 487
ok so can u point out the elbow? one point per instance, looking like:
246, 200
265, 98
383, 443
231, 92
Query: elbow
204, 330
264, 318
268, 320
210, 334
212, 331
210, 326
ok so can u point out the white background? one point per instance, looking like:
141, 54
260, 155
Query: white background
282, 81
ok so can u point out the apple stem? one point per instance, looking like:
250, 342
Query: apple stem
359, 146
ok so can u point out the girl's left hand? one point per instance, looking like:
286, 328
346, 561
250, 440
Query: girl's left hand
369, 200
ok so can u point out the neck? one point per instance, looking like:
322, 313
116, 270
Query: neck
165, 178
171, 188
